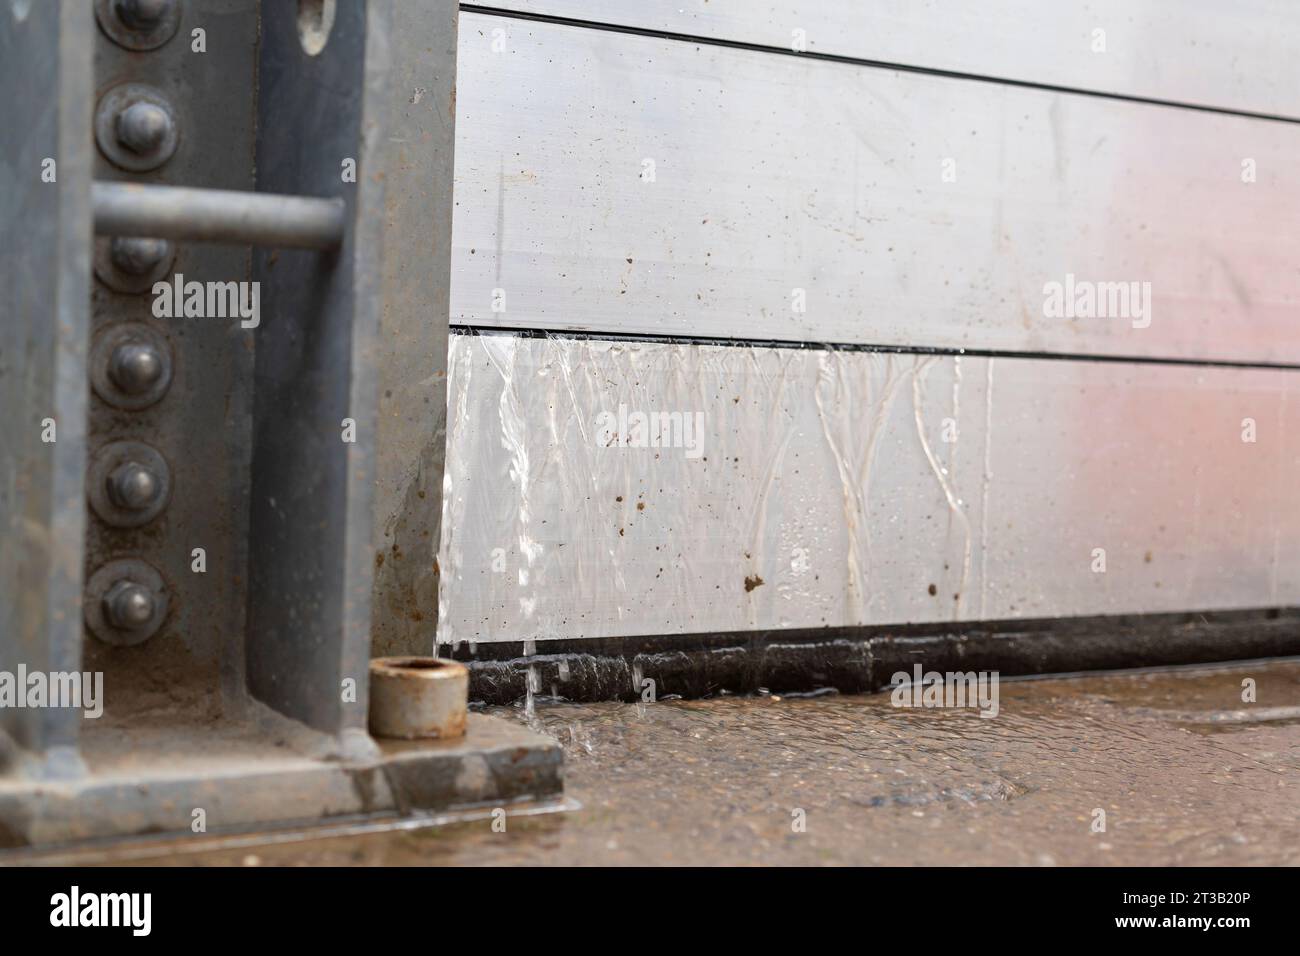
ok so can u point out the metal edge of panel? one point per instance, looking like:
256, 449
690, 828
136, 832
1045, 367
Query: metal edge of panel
412, 350
73, 384
45, 62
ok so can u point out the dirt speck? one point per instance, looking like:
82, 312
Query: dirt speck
752, 581
933, 590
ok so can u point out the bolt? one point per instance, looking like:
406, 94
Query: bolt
139, 257
135, 367
143, 127
142, 14
133, 486
128, 606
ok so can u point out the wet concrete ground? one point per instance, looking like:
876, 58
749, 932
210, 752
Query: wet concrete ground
1186, 773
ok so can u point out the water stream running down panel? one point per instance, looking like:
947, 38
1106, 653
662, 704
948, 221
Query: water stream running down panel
608, 489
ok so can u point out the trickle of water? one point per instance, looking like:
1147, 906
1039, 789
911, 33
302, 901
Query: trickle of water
533, 685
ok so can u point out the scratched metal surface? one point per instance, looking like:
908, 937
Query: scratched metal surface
845, 488
774, 174
1238, 55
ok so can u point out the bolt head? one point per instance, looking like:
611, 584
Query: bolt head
128, 606
135, 368
143, 127
138, 257
133, 486
142, 14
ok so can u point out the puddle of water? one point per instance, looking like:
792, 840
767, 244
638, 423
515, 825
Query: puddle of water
1184, 770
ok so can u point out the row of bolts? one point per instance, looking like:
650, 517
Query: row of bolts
136, 367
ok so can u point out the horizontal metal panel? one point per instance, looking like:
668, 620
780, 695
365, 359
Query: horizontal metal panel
1238, 55
792, 488
624, 183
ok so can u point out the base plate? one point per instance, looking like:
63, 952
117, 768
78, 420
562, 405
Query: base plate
243, 783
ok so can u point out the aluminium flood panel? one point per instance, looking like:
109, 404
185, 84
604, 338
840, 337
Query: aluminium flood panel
1237, 56
841, 488
613, 183
777, 179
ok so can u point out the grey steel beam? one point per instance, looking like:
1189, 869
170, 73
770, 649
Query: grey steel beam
311, 527
286, 512
217, 215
